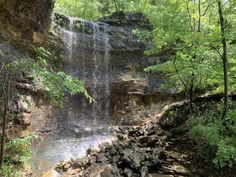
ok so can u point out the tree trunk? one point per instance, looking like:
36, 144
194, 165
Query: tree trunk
191, 98
224, 57
199, 16
6, 87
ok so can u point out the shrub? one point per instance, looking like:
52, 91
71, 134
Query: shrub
218, 135
18, 155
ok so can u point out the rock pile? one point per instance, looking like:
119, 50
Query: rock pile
139, 152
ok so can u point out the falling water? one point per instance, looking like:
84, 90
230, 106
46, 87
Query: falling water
95, 71
107, 78
69, 36
100, 74
81, 124
83, 77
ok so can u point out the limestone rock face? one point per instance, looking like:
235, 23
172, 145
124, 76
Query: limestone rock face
21, 23
132, 91
20, 19
131, 20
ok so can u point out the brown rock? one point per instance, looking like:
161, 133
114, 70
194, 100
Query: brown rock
48, 174
38, 37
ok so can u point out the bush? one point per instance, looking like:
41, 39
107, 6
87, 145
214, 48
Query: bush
18, 155
218, 135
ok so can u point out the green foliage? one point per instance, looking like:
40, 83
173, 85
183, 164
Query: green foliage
9, 170
18, 155
19, 150
44, 54
94, 9
186, 68
53, 84
218, 135
88, 9
196, 39
226, 154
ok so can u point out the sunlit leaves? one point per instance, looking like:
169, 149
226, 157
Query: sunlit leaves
88, 9
94, 9
55, 85
198, 51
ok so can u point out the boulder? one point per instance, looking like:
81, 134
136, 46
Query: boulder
149, 141
101, 158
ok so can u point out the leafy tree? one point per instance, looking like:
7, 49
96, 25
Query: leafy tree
191, 29
202, 37
88, 9
53, 84
94, 9
224, 58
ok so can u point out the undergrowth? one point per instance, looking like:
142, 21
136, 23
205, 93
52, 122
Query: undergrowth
17, 156
216, 137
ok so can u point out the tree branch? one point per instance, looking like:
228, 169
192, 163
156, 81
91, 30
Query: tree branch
188, 12
204, 13
217, 50
3, 65
224, 4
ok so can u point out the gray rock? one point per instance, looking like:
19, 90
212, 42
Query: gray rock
101, 158
107, 173
132, 158
113, 151
80, 162
127, 172
150, 141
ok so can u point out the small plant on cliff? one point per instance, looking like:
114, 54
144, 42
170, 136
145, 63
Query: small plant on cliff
53, 58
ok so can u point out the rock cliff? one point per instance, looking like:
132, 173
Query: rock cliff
133, 93
28, 19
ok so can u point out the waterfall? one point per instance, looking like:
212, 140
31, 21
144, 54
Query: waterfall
95, 72
101, 91
88, 59
69, 36
107, 78
80, 124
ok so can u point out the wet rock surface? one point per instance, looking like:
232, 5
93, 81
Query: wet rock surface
129, 86
170, 155
139, 152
